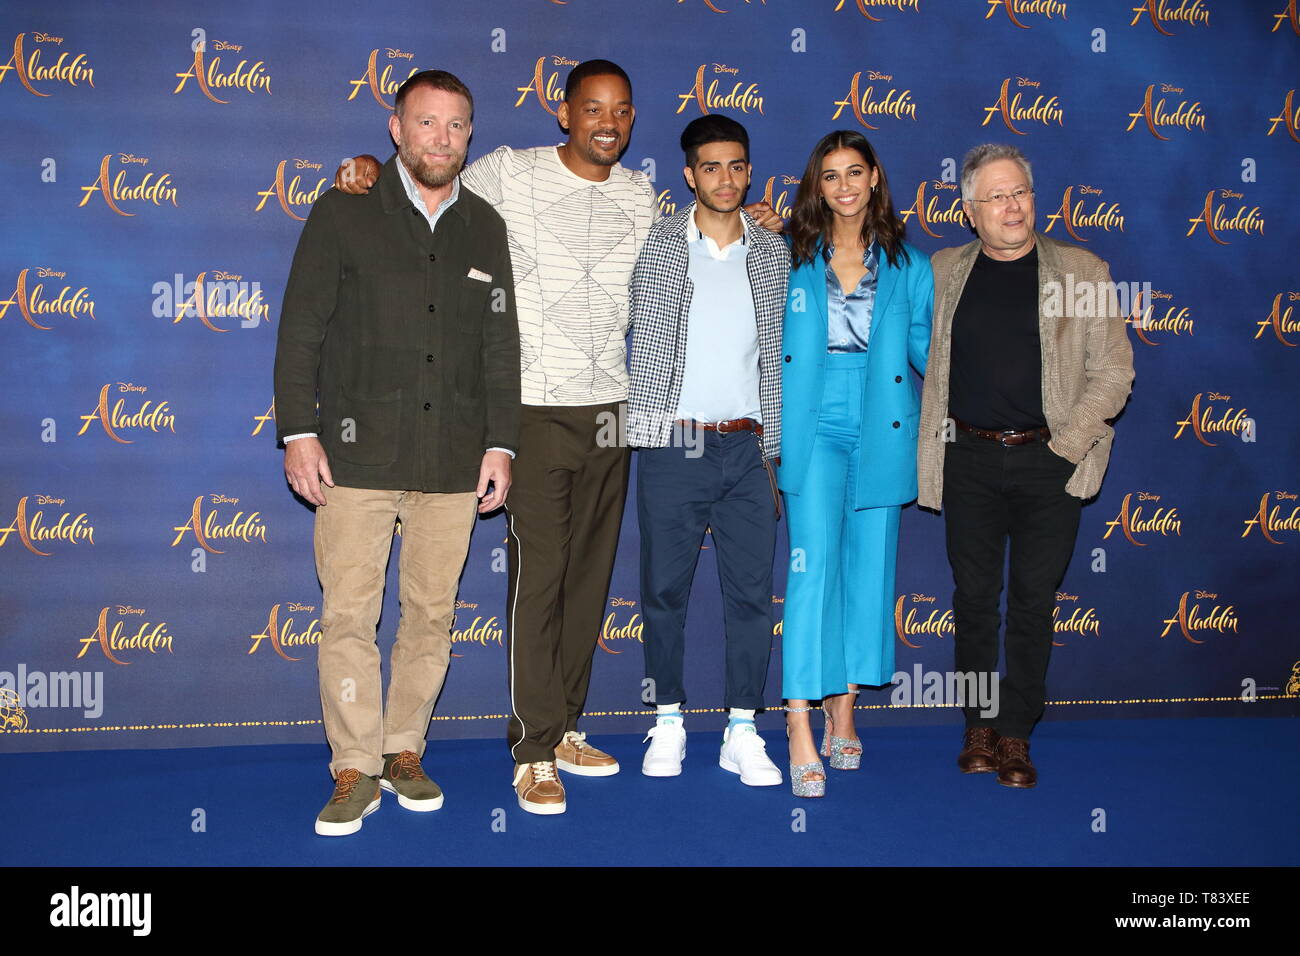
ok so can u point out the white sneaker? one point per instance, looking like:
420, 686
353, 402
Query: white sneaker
745, 753
663, 758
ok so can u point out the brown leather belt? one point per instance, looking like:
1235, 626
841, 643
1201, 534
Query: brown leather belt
1007, 436
735, 425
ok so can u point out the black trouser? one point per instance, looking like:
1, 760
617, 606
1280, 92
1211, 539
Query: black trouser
993, 493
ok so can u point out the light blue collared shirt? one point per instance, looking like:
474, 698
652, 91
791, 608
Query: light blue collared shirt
413, 194
720, 378
849, 325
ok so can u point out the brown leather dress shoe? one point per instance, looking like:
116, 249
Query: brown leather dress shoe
977, 750
1014, 767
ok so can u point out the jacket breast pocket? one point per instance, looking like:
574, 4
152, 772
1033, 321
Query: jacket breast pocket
368, 428
474, 298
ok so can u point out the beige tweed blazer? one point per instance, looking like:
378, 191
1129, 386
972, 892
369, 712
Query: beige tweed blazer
1087, 362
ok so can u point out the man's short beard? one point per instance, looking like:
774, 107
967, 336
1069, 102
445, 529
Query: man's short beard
424, 174
600, 159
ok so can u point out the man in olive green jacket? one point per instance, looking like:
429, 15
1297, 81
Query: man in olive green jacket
399, 320
1029, 358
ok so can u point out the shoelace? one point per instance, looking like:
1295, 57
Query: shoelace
654, 731
577, 738
543, 772
347, 782
409, 765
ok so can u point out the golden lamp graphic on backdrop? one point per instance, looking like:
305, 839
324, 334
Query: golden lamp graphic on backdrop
929, 207
1014, 107
1288, 119
1133, 521
130, 632
1280, 320
1144, 319
213, 526
620, 624
1191, 618
1202, 419
866, 6
782, 202
121, 418
280, 634
34, 530
1290, 14
481, 630
709, 92
118, 188
922, 620
867, 101
1015, 9
1218, 222
1195, 13
383, 82
250, 78
12, 716
34, 300
69, 68
1269, 519
545, 85
1074, 214
295, 192
1157, 115
1082, 621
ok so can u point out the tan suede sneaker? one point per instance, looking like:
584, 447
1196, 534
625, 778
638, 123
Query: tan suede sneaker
539, 788
575, 755
356, 795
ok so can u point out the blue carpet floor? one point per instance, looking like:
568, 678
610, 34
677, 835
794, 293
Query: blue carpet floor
1205, 792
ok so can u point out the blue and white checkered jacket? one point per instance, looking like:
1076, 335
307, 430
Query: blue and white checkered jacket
659, 305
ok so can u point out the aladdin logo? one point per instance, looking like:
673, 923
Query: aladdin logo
1202, 420
1018, 8
1216, 221
1012, 109
780, 202
1143, 318
743, 97
1192, 619
219, 295
1132, 522
937, 623
32, 302
929, 212
1289, 117
1073, 215
667, 206
251, 79
481, 631
119, 418
295, 194
616, 627
68, 68
864, 6
261, 420
281, 634
31, 529
210, 527
1161, 12
895, 104
1269, 520
117, 189
1157, 114
1083, 621
145, 637
1279, 320
1288, 13
547, 87
384, 82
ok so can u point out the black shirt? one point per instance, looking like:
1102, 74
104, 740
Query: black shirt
997, 366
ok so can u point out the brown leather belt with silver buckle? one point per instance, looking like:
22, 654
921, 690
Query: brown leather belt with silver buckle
1007, 436
735, 425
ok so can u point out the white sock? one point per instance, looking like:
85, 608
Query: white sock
669, 711
738, 715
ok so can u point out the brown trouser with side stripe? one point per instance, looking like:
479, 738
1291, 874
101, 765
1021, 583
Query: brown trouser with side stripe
565, 507
354, 533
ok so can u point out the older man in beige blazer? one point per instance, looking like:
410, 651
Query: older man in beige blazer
1029, 358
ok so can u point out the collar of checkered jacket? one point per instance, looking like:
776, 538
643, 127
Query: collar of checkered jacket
660, 303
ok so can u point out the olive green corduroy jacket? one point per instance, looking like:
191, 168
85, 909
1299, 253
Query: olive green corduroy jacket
406, 337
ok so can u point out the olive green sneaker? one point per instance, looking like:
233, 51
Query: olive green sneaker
356, 795
404, 776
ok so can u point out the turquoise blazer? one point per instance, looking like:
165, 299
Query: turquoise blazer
891, 409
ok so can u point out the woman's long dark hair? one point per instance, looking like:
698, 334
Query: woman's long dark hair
811, 221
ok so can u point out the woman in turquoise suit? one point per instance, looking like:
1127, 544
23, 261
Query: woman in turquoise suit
858, 313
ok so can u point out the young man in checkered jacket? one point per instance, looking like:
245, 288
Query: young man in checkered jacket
704, 405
